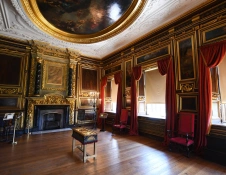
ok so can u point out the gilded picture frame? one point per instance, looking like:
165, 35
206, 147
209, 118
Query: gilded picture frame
11, 62
89, 79
54, 76
153, 55
85, 102
186, 59
128, 73
113, 69
188, 103
214, 33
12, 102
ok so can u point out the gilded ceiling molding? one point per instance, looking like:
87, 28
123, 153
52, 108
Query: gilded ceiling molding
44, 48
33, 12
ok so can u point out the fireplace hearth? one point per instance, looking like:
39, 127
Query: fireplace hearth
48, 117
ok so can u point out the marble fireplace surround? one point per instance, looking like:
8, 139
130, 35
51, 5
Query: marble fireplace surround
49, 100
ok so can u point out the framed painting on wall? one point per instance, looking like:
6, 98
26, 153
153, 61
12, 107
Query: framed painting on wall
154, 54
113, 69
89, 79
188, 103
9, 63
214, 33
128, 73
185, 54
85, 102
12, 102
54, 76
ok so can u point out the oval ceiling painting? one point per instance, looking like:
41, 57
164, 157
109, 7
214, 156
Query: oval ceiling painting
83, 21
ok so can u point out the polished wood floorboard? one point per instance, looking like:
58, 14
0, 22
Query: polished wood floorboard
51, 153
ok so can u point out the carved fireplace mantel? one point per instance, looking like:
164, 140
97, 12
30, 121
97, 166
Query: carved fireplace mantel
49, 99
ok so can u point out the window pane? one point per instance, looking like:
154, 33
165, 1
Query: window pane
155, 87
156, 110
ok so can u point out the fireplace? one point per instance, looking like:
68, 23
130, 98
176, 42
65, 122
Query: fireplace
48, 117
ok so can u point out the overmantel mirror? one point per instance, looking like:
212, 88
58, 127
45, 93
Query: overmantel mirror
83, 21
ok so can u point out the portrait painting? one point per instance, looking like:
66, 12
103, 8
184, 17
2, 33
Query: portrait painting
89, 79
215, 33
54, 76
157, 53
186, 59
82, 16
128, 73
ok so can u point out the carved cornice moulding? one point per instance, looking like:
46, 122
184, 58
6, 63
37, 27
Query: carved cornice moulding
43, 48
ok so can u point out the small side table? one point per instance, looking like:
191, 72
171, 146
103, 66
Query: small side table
103, 116
84, 136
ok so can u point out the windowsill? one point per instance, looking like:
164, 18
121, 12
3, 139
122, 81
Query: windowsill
218, 123
148, 116
113, 112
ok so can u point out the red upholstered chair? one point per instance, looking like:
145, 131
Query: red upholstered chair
123, 121
183, 138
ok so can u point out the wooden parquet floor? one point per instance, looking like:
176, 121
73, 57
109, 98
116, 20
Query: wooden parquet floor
51, 154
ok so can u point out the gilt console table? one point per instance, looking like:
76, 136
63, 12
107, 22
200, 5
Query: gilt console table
84, 136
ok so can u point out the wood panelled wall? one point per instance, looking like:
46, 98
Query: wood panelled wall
181, 40
14, 73
36, 73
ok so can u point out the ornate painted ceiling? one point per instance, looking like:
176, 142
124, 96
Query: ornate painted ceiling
97, 29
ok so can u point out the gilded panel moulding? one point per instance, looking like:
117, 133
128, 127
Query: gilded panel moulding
127, 92
47, 49
73, 80
9, 91
32, 76
188, 87
49, 99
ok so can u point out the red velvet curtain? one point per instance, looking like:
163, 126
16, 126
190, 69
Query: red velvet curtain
210, 56
102, 87
165, 67
118, 81
136, 75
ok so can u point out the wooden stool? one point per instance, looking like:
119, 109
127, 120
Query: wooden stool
84, 136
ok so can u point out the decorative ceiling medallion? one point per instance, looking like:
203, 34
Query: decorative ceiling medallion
83, 21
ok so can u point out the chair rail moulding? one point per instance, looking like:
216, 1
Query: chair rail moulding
49, 99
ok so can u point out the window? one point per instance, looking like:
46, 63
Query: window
219, 93
111, 90
154, 93
222, 89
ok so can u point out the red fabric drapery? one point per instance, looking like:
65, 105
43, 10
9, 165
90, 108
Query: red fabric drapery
118, 81
165, 67
102, 87
136, 75
210, 56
